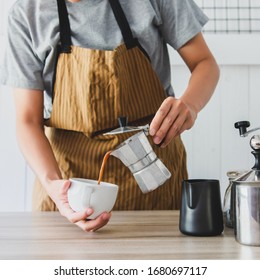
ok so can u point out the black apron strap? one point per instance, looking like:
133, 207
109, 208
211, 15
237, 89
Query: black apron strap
123, 24
65, 32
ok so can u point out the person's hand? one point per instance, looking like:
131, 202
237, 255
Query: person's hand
58, 190
173, 117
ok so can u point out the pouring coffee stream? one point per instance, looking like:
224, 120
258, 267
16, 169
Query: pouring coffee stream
123, 127
101, 172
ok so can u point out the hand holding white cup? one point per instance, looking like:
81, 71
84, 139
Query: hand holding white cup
85, 193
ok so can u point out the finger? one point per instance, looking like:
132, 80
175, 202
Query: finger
100, 221
160, 115
75, 217
167, 123
95, 224
186, 126
175, 130
105, 217
173, 133
65, 186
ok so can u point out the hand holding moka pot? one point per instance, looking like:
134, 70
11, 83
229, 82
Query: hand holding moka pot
137, 154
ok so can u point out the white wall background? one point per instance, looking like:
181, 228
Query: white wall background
213, 144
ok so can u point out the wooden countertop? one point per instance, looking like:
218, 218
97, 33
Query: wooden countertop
130, 235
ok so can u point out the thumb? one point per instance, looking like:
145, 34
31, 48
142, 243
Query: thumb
66, 185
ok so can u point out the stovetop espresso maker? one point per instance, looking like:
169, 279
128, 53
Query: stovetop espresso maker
137, 154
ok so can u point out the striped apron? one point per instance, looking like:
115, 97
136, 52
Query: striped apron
92, 89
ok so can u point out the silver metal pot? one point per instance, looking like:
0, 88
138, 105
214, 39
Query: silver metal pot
247, 209
137, 154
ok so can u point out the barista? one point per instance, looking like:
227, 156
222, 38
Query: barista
73, 75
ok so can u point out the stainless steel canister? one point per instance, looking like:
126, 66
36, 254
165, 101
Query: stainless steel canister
247, 212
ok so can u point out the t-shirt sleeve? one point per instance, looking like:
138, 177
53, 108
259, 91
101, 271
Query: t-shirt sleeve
181, 20
20, 66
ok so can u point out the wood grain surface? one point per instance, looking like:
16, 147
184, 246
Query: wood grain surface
130, 235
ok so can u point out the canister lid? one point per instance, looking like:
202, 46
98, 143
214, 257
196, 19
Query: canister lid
249, 177
233, 174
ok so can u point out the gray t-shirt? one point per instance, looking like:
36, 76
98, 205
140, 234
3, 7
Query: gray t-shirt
33, 34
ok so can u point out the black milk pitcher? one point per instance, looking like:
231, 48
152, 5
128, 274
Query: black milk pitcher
201, 210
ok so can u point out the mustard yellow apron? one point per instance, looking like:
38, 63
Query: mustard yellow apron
92, 89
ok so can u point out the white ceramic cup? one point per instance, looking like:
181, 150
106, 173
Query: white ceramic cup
84, 193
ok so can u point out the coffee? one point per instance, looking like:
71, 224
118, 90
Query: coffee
103, 166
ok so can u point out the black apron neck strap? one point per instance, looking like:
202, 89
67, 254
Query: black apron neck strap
123, 24
65, 31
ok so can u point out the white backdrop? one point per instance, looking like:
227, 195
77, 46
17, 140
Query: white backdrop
213, 144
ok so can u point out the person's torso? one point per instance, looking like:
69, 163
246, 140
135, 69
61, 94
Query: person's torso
93, 25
